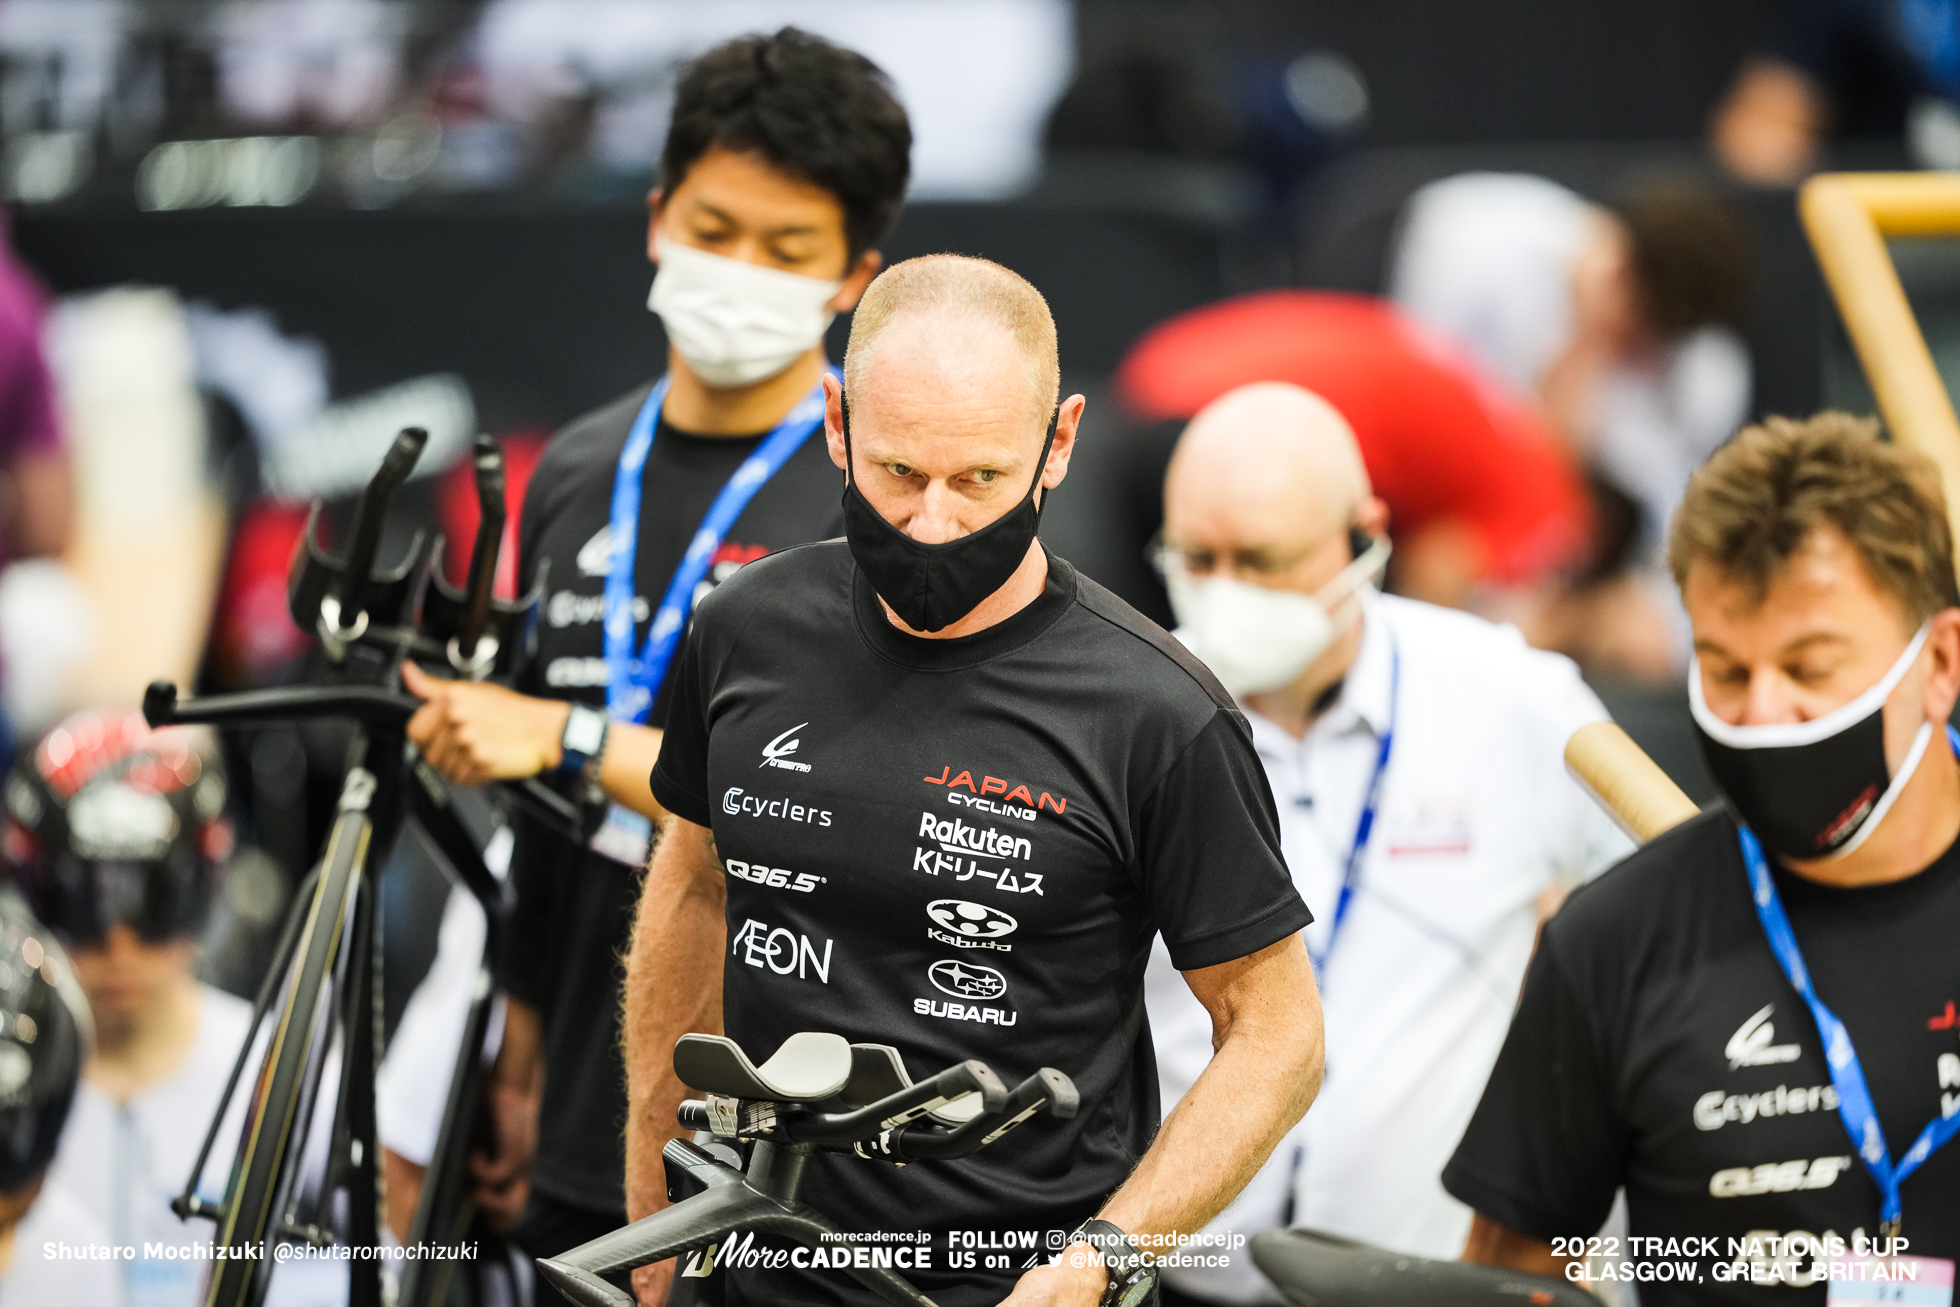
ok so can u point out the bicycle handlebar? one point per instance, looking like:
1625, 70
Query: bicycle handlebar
894, 1127
368, 704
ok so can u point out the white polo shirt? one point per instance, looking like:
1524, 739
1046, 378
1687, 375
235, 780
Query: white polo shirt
1477, 818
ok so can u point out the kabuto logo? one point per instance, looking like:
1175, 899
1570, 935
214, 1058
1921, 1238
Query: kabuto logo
1753, 1043
966, 980
969, 925
777, 753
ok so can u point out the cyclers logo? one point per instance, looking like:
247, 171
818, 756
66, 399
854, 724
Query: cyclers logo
1753, 1043
969, 925
737, 802
777, 754
758, 944
1715, 1109
965, 980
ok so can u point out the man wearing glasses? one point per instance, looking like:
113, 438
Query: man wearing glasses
1416, 757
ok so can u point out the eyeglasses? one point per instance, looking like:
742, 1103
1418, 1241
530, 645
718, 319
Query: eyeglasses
1257, 564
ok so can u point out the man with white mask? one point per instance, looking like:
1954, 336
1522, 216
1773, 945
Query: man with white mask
1416, 756
1750, 1024
785, 165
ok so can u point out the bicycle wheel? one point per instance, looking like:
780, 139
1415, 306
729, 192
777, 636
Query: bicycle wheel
261, 1176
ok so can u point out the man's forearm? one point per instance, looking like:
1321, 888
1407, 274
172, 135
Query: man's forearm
1491, 1244
1258, 1084
673, 986
630, 754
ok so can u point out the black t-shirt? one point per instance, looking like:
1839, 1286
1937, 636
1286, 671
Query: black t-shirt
574, 908
1659, 1046
979, 837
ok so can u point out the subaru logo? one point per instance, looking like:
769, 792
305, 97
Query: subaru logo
974, 920
964, 980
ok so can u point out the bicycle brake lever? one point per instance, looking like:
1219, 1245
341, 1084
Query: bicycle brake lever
1045, 1088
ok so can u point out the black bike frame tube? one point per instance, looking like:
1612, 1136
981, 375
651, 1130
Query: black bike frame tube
252, 1199
187, 1203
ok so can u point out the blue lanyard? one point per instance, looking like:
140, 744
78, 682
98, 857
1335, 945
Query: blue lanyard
1370, 804
1847, 1076
1932, 33
632, 683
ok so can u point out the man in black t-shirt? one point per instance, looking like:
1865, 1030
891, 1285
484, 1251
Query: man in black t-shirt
785, 164
1673, 1033
987, 783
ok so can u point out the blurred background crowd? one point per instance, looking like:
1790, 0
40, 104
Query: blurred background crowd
1543, 254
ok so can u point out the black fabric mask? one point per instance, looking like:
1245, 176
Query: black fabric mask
932, 586
1812, 789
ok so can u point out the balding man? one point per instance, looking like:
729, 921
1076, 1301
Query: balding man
937, 721
1415, 754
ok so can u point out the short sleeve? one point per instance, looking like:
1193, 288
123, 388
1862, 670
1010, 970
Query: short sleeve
539, 860
1209, 853
1544, 1153
680, 775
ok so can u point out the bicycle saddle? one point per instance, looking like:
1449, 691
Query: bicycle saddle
877, 1071
1324, 1270
809, 1066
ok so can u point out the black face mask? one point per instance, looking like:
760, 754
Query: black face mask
1813, 789
932, 586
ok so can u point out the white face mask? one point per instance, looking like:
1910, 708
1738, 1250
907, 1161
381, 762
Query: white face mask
1256, 639
735, 323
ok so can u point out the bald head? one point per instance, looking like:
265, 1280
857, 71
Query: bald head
967, 323
1269, 463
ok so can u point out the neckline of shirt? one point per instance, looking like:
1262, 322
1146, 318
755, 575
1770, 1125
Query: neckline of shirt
965, 651
1884, 899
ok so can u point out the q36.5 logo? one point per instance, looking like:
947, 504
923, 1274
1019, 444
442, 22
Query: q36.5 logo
965, 980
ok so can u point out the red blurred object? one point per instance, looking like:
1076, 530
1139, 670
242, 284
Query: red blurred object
254, 638
457, 514
1439, 440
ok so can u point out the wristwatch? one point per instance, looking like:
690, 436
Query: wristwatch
1132, 1272
583, 742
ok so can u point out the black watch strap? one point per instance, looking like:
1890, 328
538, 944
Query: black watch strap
583, 740
1132, 1272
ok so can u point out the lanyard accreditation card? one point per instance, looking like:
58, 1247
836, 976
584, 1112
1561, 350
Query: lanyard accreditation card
1847, 1075
634, 676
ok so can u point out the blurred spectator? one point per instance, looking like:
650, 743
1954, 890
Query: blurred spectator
1481, 495
117, 834
1417, 760
1620, 324
44, 1020
1887, 69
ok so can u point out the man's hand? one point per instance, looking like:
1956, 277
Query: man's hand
650, 1283
1075, 1279
475, 732
503, 1181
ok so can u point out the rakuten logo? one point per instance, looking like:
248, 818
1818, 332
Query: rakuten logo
1777, 1177
781, 950
1715, 1109
956, 836
737, 802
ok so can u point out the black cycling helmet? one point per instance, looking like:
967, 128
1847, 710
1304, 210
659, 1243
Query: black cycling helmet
44, 1034
109, 822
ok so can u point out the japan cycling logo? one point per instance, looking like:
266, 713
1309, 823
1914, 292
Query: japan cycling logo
777, 753
965, 980
969, 925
